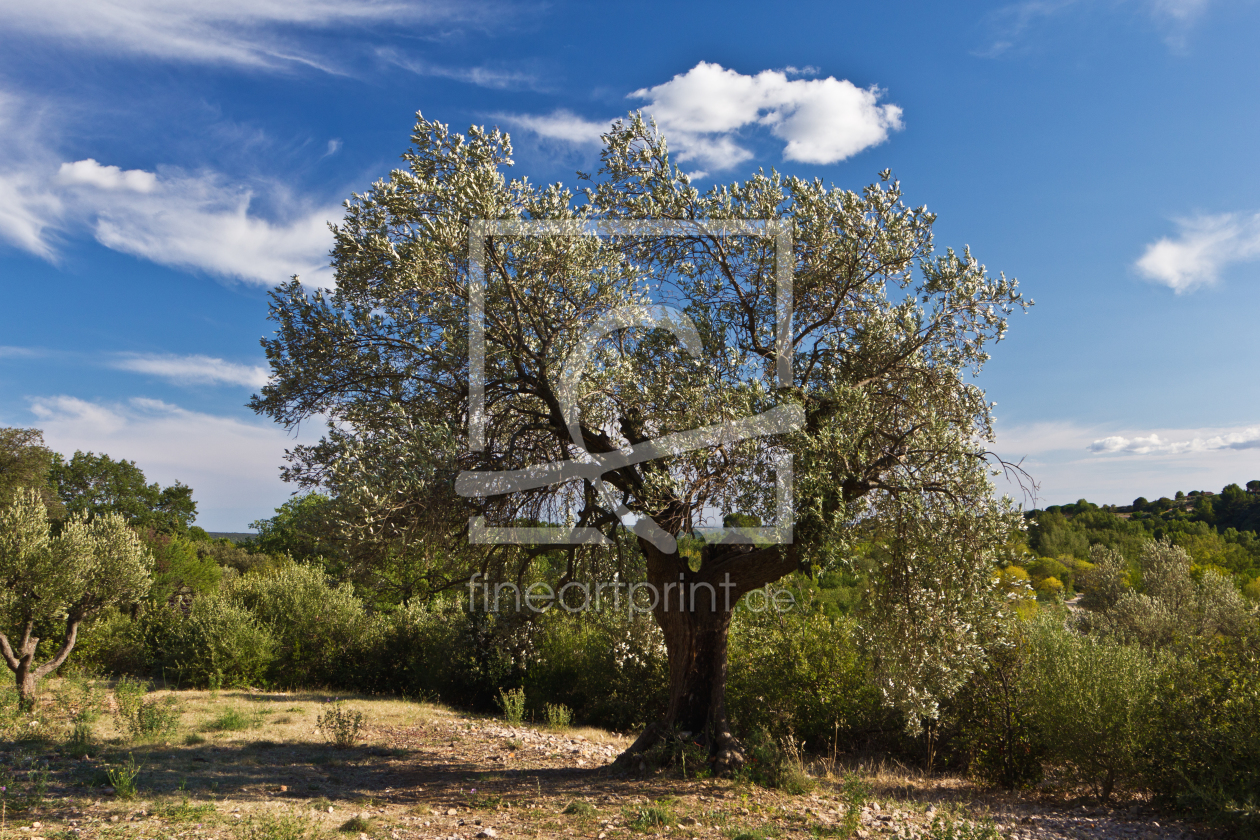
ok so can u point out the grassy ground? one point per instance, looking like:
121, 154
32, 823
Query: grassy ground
257, 766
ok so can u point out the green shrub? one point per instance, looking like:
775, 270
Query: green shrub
315, 625
339, 725
143, 717
991, 732
1091, 699
512, 703
559, 716
122, 778
776, 763
216, 643
1205, 744
608, 667
803, 673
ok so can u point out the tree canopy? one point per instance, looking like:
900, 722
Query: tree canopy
94, 484
599, 345
48, 580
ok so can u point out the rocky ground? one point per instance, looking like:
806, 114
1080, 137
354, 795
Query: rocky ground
420, 772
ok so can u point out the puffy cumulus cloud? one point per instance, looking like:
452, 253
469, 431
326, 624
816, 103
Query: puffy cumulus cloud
703, 111
822, 120
559, 125
1203, 247
90, 173
258, 33
194, 370
1070, 461
232, 465
1248, 438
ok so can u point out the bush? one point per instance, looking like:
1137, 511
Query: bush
216, 643
776, 763
559, 716
1205, 745
339, 725
1091, 699
141, 717
512, 703
315, 625
802, 673
608, 667
989, 723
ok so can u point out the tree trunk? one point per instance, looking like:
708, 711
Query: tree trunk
694, 611
22, 661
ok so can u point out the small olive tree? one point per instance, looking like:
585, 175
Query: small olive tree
48, 580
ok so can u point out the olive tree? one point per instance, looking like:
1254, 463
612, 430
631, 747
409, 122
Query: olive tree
59, 581
625, 373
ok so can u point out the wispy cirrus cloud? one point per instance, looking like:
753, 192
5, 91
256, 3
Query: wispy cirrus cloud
1013, 24
193, 370
199, 221
495, 78
1204, 245
249, 33
560, 124
703, 112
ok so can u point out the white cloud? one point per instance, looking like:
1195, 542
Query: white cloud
482, 76
703, 110
241, 32
1248, 438
560, 125
90, 173
822, 120
1204, 245
1114, 466
232, 466
200, 222
194, 370
28, 209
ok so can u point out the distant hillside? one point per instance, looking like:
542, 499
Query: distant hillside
1218, 530
234, 536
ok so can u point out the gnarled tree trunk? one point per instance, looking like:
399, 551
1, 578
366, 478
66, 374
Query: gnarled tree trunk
694, 610
22, 661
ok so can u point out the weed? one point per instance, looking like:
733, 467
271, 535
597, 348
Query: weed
283, 826
193, 739
947, 829
578, 808
230, 720
760, 833
776, 764
123, 778
513, 705
356, 823
559, 716
654, 816
80, 740
340, 725
186, 811
855, 791
144, 718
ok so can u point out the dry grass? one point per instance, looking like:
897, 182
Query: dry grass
421, 771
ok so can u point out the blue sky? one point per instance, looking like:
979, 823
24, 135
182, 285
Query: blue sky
162, 164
